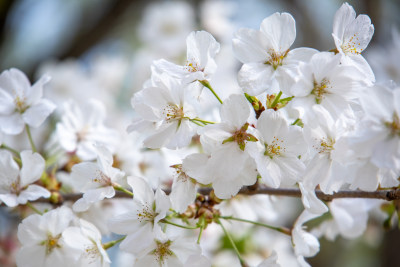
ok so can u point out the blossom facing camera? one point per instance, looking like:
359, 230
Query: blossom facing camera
21, 103
16, 185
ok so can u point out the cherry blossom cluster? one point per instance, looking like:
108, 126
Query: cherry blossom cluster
303, 119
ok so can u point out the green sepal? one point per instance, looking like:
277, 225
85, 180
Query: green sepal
230, 139
251, 138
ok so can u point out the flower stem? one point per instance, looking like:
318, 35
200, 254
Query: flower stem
197, 123
207, 84
242, 262
202, 121
178, 225
33, 208
276, 100
28, 132
18, 160
112, 243
200, 233
283, 230
3, 146
120, 188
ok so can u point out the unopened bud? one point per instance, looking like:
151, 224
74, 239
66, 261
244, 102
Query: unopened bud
55, 197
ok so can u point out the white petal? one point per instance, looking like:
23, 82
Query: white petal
58, 219
183, 193
250, 46
98, 194
310, 200
141, 190
183, 135
31, 256
358, 34
194, 165
33, 192
35, 115
235, 111
162, 204
12, 124
82, 175
162, 136
9, 171
125, 223
256, 78
14, 82
32, 167
170, 68
138, 241
184, 247
281, 30
7, 105
10, 200
343, 17
201, 47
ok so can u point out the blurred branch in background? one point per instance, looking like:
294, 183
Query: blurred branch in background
89, 37
5, 6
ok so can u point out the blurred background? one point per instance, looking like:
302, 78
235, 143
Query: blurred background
91, 47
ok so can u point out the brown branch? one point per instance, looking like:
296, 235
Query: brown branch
392, 194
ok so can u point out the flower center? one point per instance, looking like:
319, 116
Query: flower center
162, 252
350, 46
81, 135
92, 252
146, 214
241, 136
20, 104
326, 145
320, 90
15, 187
394, 126
102, 179
51, 243
275, 148
173, 112
192, 66
276, 58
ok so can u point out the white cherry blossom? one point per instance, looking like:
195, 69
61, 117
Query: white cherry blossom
82, 127
141, 224
95, 180
165, 113
227, 164
86, 238
305, 244
200, 66
268, 61
16, 185
170, 250
42, 240
21, 103
326, 84
349, 218
328, 162
278, 150
379, 137
375, 144
352, 35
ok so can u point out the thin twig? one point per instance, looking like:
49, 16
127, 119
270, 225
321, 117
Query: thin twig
392, 194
